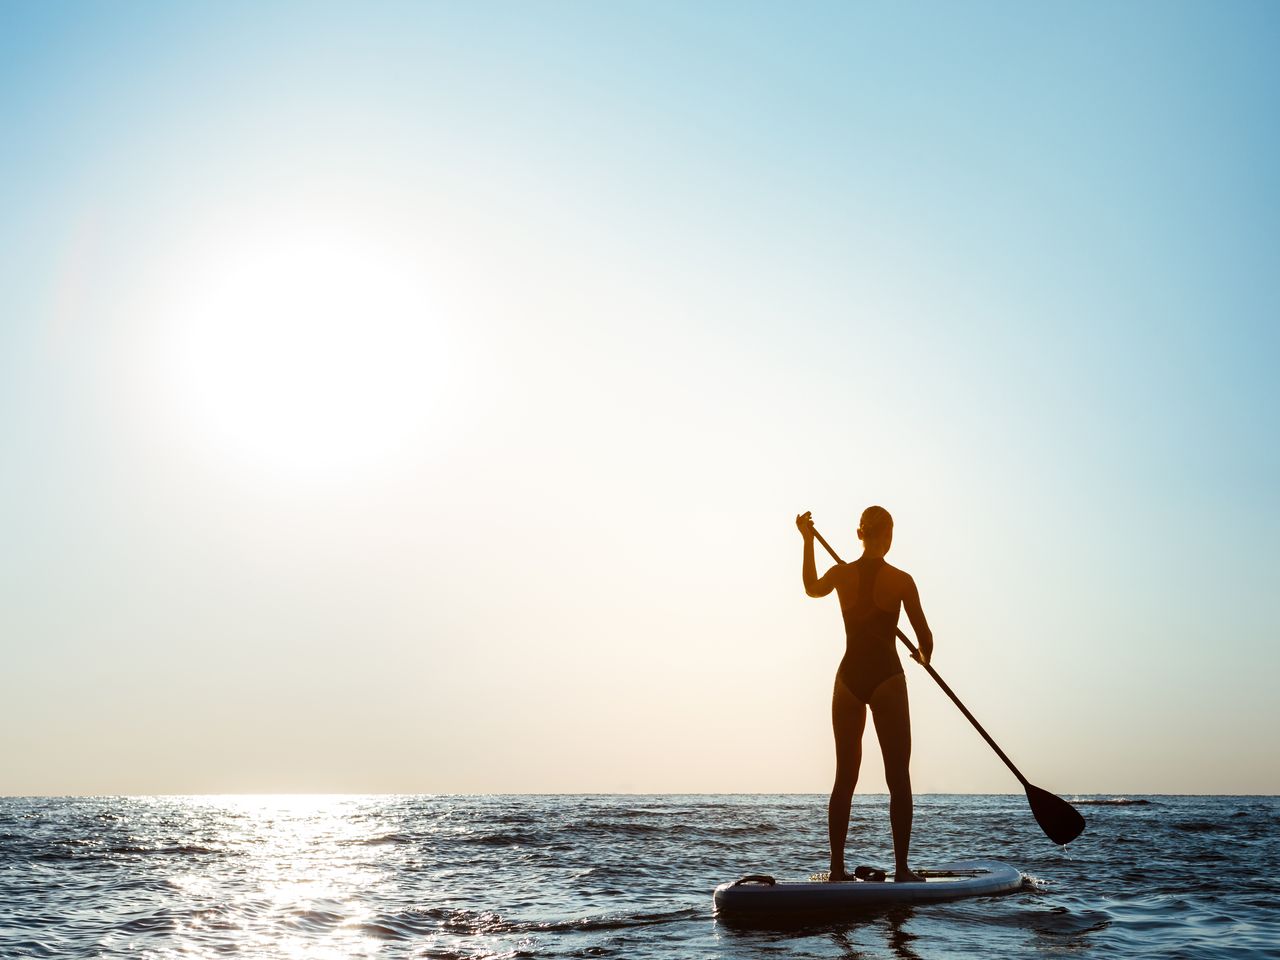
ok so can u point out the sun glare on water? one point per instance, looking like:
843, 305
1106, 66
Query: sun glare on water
305, 355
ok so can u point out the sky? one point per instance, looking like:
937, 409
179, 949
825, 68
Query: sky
419, 397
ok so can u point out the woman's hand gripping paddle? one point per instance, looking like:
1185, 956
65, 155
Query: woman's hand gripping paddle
1060, 821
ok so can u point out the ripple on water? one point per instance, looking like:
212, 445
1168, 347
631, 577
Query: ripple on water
610, 876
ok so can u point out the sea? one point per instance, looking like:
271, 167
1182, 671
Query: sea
615, 876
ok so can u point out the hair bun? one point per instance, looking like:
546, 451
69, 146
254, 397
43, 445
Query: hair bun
875, 522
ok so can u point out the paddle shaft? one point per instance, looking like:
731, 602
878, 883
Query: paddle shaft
942, 683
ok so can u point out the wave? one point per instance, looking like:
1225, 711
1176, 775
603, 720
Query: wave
385, 839
81, 851
1114, 802
32, 948
512, 839
1197, 826
613, 922
316, 920
161, 922
177, 850
470, 922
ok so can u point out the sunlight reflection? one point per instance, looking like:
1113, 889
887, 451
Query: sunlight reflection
301, 863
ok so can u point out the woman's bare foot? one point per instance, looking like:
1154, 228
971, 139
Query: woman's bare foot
837, 875
904, 875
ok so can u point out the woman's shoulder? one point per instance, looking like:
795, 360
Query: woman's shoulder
897, 574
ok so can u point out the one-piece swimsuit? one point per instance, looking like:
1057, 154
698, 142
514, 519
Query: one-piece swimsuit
870, 655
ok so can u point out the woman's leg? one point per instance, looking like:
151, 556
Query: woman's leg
848, 720
892, 717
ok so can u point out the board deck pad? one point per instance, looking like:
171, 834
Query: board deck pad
929, 876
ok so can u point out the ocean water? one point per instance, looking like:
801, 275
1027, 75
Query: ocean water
613, 876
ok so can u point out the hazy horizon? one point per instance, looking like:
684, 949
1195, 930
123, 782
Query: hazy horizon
605, 793
411, 398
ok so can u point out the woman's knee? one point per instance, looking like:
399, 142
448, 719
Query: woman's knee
846, 779
899, 784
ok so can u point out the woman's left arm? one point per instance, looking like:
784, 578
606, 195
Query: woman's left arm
915, 613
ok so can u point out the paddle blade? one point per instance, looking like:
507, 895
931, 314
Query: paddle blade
1060, 821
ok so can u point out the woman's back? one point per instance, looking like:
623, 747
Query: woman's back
871, 594
871, 598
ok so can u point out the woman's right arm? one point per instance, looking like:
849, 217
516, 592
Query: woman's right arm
814, 585
920, 626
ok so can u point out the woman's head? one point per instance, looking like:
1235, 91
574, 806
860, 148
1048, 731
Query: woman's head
875, 530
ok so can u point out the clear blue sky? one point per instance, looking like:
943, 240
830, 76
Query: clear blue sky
418, 397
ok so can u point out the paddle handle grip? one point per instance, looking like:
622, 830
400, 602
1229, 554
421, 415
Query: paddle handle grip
942, 683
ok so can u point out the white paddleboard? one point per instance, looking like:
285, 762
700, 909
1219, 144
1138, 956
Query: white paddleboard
763, 896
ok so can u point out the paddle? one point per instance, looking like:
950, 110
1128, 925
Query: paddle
1060, 821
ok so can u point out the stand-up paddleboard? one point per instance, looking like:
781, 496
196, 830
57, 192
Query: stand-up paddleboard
763, 896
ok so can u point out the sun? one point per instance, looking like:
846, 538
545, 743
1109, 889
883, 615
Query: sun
308, 354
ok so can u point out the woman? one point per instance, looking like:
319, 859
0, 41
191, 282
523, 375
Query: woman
871, 594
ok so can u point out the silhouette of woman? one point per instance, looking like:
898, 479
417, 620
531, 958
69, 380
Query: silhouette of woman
871, 594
